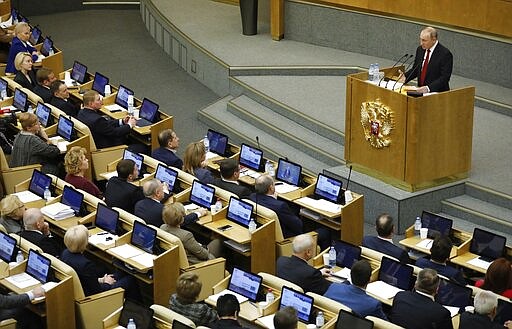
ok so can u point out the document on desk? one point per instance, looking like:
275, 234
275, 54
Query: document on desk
250, 173
479, 263
321, 204
267, 321
425, 244
344, 273
282, 188
454, 310
22, 280
382, 289
58, 211
115, 108
103, 238
27, 196
211, 155
144, 259
126, 251
239, 297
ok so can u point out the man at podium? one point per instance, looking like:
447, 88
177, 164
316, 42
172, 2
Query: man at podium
432, 65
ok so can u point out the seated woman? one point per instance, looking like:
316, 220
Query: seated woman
498, 278
184, 301
25, 76
12, 210
173, 216
76, 164
194, 163
32, 146
92, 275
20, 44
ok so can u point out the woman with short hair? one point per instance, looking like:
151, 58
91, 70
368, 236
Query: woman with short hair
498, 278
76, 164
12, 210
20, 44
25, 75
194, 162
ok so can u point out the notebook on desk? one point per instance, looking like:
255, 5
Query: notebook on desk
143, 237
106, 219
79, 73
218, 144
121, 102
99, 83
436, 224
487, 245
202, 194
239, 211
8, 248
453, 295
72, 198
299, 301
348, 320
47, 47
393, 277
141, 247
39, 182
36, 271
166, 175
4, 87
251, 158
147, 113
346, 255
329, 189
43, 113
19, 101
243, 285
35, 35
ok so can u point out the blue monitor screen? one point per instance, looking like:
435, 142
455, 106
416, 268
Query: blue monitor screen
288, 172
20, 100
65, 128
436, 224
245, 283
122, 96
7, 247
79, 72
72, 198
106, 218
143, 237
218, 142
38, 266
43, 113
148, 110
39, 182
35, 35
99, 83
396, 274
452, 294
136, 157
487, 244
202, 195
328, 188
346, 254
239, 211
166, 175
299, 301
250, 157
47, 46
3, 85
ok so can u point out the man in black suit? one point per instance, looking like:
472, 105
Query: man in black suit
60, 98
384, 242
229, 173
417, 309
485, 303
120, 192
13, 306
169, 143
297, 270
435, 75
37, 231
227, 311
44, 77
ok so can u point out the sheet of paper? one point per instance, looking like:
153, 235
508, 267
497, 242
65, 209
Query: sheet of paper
343, 273
126, 251
382, 289
27, 196
425, 244
144, 259
239, 297
267, 321
22, 280
321, 204
103, 238
453, 310
282, 188
479, 263
115, 108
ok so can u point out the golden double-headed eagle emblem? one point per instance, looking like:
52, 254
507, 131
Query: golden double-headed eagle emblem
377, 121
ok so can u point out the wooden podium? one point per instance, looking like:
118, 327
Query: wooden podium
430, 140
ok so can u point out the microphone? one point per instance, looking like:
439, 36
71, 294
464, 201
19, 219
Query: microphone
406, 60
258, 141
415, 67
399, 60
348, 194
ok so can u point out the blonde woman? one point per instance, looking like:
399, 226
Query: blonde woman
195, 163
76, 164
12, 210
25, 76
20, 44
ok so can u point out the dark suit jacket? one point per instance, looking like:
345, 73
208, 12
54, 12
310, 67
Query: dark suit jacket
88, 272
204, 175
43, 92
386, 247
67, 106
9, 304
24, 82
240, 190
413, 310
439, 69
168, 157
291, 225
48, 244
445, 270
105, 131
355, 298
122, 194
302, 274
476, 321
17, 47
226, 324
151, 211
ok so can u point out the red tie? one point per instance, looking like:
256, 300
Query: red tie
424, 69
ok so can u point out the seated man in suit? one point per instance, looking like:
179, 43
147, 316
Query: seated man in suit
439, 255
384, 242
120, 192
286, 318
229, 173
13, 306
354, 295
297, 270
418, 309
227, 311
37, 231
60, 98
44, 77
169, 143
482, 317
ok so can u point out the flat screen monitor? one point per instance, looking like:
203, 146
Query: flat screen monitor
488, 245
245, 283
14, 14
3, 85
38, 266
79, 72
250, 157
346, 253
99, 83
143, 237
166, 175
47, 46
136, 157
122, 96
288, 172
43, 113
72, 198
39, 182
7, 247
202, 194
396, 274
106, 218
347, 320
35, 35
20, 100
179, 325
436, 224
453, 294
503, 311
218, 142
65, 128
328, 188
148, 110
299, 301
239, 211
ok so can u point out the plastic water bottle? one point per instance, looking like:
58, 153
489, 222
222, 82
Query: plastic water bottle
332, 257
51, 52
252, 226
376, 72
30, 109
269, 297
47, 194
19, 257
269, 168
320, 319
218, 206
417, 225
371, 72
130, 105
206, 142
131, 324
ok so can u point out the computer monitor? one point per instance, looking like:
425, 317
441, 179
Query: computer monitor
503, 311
328, 188
347, 320
20, 100
166, 175
239, 211
346, 253
39, 182
487, 244
218, 142
7, 247
250, 157
79, 72
106, 219
136, 157
288, 172
436, 224
179, 325
99, 83
299, 301
65, 128
35, 35
202, 194
4, 85
38, 266
122, 96
245, 283
148, 110
72, 198
47, 46
143, 237
396, 274
14, 14
43, 113
453, 294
